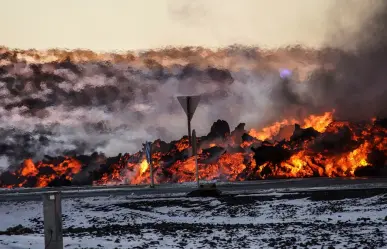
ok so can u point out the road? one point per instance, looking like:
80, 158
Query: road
310, 184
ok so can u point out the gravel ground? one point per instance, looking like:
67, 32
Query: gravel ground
320, 219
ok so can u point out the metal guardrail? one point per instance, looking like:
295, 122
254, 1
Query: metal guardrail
258, 186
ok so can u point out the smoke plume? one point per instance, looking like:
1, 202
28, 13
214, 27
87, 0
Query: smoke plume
354, 84
64, 103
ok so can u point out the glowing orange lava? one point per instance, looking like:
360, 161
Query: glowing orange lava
231, 159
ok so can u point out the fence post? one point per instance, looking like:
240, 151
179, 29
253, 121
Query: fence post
52, 215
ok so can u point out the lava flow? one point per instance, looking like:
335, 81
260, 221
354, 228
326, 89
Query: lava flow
319, 146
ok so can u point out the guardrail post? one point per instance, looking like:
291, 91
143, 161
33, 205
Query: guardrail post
194, 153
52, 214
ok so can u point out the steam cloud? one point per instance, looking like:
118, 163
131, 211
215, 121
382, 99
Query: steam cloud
109, 105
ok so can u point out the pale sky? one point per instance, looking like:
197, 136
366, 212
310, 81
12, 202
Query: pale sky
142, 24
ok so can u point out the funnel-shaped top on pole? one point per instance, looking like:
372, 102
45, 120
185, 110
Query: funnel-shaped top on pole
189, 104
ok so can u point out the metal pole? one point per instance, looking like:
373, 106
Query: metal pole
189, 120
148, 152
197, 170
194, 151
52, 215
151, 173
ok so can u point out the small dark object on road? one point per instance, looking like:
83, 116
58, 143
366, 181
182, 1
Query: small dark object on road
205, 190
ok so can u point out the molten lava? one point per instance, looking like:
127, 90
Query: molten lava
319, 123
319, 146
41, 173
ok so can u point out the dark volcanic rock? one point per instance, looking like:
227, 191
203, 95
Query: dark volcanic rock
17, 230
335, 142
237, 134
214, 150
60, 181
370, 171
235, 149
220, 129
303, 134
381, 122
269, 153
377, 158
247, 138
7, 178
161, 146
46, 171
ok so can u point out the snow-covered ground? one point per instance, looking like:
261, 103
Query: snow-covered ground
270, 220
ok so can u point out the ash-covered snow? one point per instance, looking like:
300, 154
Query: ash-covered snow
272, 220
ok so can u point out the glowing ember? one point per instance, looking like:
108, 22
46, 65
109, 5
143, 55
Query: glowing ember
29, 168
319, 123
143, 167
44, 173
182, 144
270, 131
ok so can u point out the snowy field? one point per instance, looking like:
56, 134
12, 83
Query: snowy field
319, 219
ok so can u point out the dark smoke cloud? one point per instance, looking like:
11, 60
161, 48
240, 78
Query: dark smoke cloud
354, 82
